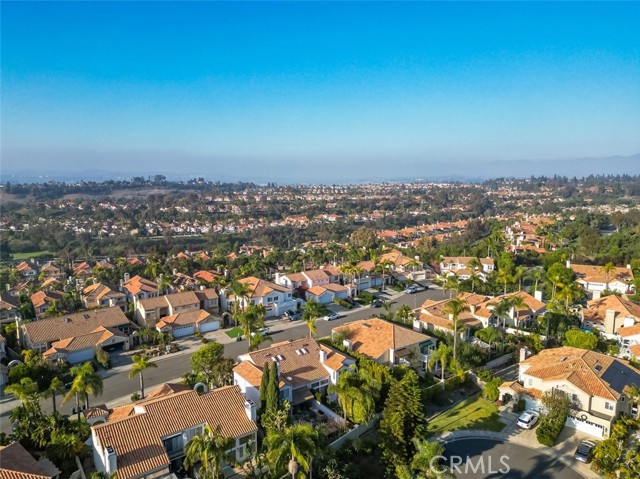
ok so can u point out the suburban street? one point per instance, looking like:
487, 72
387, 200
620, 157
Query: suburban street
118, 387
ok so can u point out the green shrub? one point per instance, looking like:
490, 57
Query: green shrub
198, 334
342, 302
366, 297
490, 391
135, 397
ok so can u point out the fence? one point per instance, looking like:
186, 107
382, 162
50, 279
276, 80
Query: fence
358, 431
494, 363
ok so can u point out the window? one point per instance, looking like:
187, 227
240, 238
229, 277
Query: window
608, 406
529, 382
574, 397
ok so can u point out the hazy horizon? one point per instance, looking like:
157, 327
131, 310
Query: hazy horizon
320, 92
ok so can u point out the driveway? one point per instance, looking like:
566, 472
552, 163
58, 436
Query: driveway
496, 459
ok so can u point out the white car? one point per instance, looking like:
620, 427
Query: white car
261, 332
528, 419
331, 317
411, 290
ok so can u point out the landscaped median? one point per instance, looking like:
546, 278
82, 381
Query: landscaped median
473, 413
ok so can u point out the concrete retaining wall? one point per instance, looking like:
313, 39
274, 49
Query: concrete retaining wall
502, 360
354, 433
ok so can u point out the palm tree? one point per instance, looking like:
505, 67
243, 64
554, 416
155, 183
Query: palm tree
442, 355
211, 450
355, 396
26, 391
504, 306
570, 293
164, 283
55, 387
451, 284
310, 314
537, 275
608, 270
474, 279
382, 266
505, 278
241, 292
85, 382
404, 314
489, 335
454, 308
520, 272
140, 363
297, 442
251, 320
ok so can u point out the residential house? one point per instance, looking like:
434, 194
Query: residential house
610, 313
187, 324
304, 368
138, 288
275, 298
459, 265
40, 335
42, 300
208, 276
82, 270
81, 347
50, 270
327, 293
628, 336
9, 308
148, 440
387, 343
594, 280
596, 384
517, 317
149, 311
404, 267
431, 316
100, 295
28, 269
17, 463
308, 279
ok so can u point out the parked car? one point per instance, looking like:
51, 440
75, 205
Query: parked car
262, 332
291, 315
528, 419
584, 451
331, 317
411, 289
376, 303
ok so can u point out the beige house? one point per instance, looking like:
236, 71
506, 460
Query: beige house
100, 295
595, 383
275, 298
387, 343
147, 439
610, 313
150, 310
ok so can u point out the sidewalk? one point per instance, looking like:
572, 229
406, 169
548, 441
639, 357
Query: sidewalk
562, 451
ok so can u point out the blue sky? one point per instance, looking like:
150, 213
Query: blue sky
226, 88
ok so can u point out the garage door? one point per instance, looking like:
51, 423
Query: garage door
209, 326
531, 403
182, 331
585, 426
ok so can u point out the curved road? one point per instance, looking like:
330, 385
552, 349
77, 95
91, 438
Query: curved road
491, 459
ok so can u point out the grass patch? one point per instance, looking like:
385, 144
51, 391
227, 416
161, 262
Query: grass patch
472, 413
234, 333
34, 254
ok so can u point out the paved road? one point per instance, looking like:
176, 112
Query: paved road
503, 461
117, 385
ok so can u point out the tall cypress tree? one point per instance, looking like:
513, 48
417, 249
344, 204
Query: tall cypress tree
264, 385
272, 389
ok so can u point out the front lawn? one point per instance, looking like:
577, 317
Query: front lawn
472, 413
234, 332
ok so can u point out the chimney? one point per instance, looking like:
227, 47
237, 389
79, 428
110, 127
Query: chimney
524, 352
250, 409
175, 271
347, 344
568, 264
538, 295
110, 460
323, 356
277, 278
610, 315
628, 266
392, 356
472, 308
127, 277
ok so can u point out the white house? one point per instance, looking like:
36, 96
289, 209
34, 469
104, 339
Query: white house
595, 280
456, 264
275, 298
327, 293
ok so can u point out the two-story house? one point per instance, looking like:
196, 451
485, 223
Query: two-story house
150, 310
9, 308
520, 316
149, 441
100, 295
387, 343
40, 335
28, 269
275, 298
459, 265
596, 385
432, 316
610, 313
595, 280
304, 368
42, 300
17, 463
138, 288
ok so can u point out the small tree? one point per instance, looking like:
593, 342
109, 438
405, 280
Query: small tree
102, 357
264, 386
580, 339
140, 363
273, 389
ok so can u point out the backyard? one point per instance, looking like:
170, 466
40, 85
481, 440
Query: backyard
473, 413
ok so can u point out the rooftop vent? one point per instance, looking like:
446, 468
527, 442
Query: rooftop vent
563, 359
598, 367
